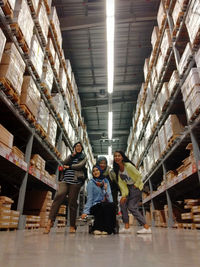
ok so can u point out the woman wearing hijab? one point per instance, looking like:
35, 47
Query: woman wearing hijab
73, 179
110, 175
99, 203
131, 185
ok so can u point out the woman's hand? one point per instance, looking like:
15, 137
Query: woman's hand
83, 216
123, 200
66, 166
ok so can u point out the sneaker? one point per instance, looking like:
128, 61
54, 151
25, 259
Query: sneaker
125, 231
104, 233
97, 232
144, 231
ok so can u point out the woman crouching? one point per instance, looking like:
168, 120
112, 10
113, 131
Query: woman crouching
100, 204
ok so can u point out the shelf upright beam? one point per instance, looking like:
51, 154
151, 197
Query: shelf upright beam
152, 202
22, 191
196, 150
170, 221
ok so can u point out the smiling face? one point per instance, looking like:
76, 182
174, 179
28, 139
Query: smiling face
103, 165
96, 172
118, 158
78, 148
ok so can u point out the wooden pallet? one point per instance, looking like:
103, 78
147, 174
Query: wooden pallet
50, 57
170, 142
41, 131
48, 8
7, 10
27, 114
45, 90
195, 114
9, 91
20, 37
8, 229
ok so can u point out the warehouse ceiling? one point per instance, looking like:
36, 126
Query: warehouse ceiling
84, 43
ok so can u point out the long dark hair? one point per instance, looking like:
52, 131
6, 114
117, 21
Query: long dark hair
125, 159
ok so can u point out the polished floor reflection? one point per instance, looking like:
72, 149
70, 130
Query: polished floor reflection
165, 248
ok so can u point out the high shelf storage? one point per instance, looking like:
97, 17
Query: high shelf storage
35, 146
164, 140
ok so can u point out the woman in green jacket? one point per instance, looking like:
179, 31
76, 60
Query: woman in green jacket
131, 185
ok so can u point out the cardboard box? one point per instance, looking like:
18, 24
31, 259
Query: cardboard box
18, 152
12, 67
173, 127
185, 58
6, 137
52, 130
154, 36
192, 80
173, 82
47, 76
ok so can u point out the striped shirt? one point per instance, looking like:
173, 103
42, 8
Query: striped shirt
69, 174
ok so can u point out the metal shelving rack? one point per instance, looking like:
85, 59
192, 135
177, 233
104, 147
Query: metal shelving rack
23, 169
189, 133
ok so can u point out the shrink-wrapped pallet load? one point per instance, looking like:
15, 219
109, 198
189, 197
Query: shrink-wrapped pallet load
36, 55
2, 43
56, 26
166, 43
56, 64
155, 36
178, 11
146, 68
52, 130
162, 139
160, 66
187, 54
163, 96
63, 79
156, 149
30, 95
192, 80
193, 20
43, 116
12, 67
51, 50
42, 21
173, 82
47, 76
58, 102
161, 16
22, 17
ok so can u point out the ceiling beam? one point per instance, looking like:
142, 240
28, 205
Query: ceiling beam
101, 131
82, 89
83, 22
105, 104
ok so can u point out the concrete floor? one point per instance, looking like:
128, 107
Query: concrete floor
165, 248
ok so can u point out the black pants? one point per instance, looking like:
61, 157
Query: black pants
104, 217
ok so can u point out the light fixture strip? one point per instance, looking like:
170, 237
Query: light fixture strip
110, 122
110, 28
110, 151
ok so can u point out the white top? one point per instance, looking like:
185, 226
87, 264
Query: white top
124, 176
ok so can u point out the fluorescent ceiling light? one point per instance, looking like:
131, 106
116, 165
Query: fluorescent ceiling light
110, 151
110, 122
110, 28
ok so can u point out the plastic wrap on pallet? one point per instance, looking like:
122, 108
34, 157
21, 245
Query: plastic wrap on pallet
193, 20
159, 65
151, 157
36, 55
55, 21
66, 120
161, 15
47, 76
80, 132
163, 95
52, 129
2, 43
148, 131
154, 78
63, 79
58, 102
192, 103
185, 57
30, 95
149, 98
22, 16
63, 151
156, 149
173, 82
173, 127
166, 43
43, 20
154, 36
146, 68
197, 58
192, 79
51, 50
57, 64
43, 116
12, 67
162, 139
178, 10
141, 94
69, 69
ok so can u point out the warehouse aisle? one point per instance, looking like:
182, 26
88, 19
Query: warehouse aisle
165, 247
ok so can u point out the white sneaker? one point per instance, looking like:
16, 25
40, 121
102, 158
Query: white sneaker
145, 231
104, 233
97, 232
125, 231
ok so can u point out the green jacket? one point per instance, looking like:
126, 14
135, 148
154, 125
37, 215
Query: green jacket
134, 174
